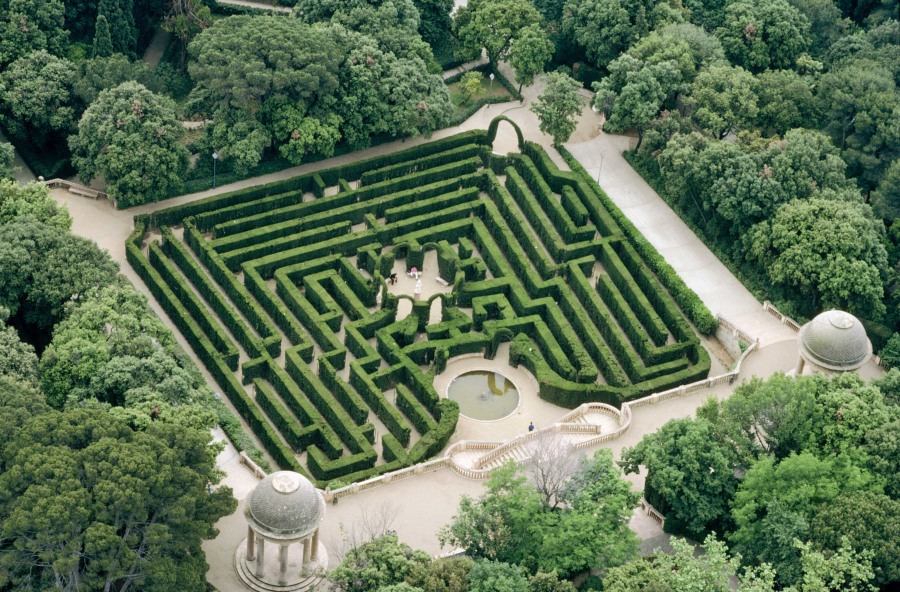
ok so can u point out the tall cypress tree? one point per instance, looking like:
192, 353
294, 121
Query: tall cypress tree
120, 19
103, 46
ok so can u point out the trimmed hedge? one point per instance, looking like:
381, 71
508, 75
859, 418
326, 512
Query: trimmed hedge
542, 260
687, 300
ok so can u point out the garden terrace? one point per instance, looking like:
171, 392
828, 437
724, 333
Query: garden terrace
281, 290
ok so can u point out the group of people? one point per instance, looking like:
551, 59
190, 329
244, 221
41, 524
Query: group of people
413, 273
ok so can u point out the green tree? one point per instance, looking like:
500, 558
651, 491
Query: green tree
103, 46
298, 134
243, 75
37, 91
111, 506
805, 164
241, 62
7, 158
713, 570
558, 107
185, 19
435, 23
495, 576
683, 569
382, 562
529, 54
785, 101
493, 25
120, 16
860, 104
849, 410
132, 137
606, 28
99, 74
689, 46
239, 138
382, 94
633, 94
587, 527
886, 198
593, 532
42, 268
775, 503
393, 24
544, 581
708, 14
31, 25
826, 23
844, 570
503, 524
824, 253
31, 200
690, 474
81, 18
723, 100
111, 348
867, 521
18, 361
443, 575
470, 84
764, 34
766, 417
890, 353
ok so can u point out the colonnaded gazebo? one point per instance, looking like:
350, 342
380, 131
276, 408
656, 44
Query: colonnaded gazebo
834, 341
284, 509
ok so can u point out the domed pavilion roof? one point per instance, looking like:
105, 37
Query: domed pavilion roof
284, 505
835, 340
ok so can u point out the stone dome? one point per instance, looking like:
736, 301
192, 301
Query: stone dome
835, 340
284, 506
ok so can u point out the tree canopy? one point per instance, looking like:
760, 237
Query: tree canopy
32, 200
529, 54
690, 476
241, 62
37, 91
494, 24
798, 452
43, 267
558, 107
764, 34
829, 251
31, 25
513, 523
110, 506
132, 137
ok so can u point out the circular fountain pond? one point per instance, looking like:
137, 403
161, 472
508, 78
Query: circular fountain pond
484, 394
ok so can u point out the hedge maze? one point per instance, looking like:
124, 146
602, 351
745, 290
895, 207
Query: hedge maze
280, 289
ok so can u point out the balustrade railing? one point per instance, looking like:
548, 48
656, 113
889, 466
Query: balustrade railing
566, 424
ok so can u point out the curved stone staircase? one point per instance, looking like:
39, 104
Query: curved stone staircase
585, 426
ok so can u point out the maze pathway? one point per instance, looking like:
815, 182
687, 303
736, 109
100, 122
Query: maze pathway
281, 291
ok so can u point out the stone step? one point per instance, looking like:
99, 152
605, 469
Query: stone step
249, 578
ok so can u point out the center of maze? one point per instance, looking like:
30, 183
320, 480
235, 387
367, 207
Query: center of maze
281, 291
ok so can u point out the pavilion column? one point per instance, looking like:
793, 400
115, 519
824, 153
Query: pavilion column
251, 544
800, 365
302, 554
261, 560
314, 555
307, 548
282, 563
